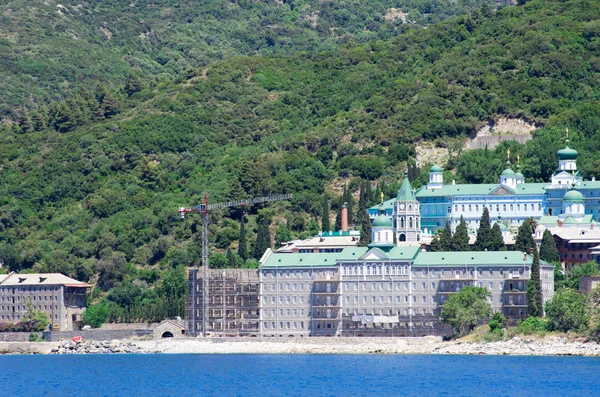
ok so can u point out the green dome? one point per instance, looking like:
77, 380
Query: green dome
574, 196
567, 154
507, 172
519, 175
382, 221
436, 168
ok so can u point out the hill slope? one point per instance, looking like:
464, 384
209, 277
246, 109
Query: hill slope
98, 199
50, 47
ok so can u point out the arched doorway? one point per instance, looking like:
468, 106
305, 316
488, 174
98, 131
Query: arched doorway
167, 335
402, 237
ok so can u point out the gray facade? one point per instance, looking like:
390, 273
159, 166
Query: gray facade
61, 297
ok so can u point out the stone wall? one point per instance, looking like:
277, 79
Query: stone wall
96, 334
16, 336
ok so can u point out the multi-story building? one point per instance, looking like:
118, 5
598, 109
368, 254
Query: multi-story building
232, 302
512, 200
59, 296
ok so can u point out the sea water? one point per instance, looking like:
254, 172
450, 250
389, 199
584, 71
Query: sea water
297, 375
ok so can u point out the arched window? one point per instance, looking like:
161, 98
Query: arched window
518, 207
476, 207
504, 207
462, 208
470, 208
402, 222
497, 207
410, 222
511, 207
410, 207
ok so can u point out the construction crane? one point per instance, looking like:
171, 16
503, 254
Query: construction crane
204, 210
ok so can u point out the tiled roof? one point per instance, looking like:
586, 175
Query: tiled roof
40, 279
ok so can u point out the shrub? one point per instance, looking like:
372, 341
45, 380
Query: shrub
497, 323
532, 325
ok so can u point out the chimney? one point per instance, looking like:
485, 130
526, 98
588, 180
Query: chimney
524, 256
560, 223
344, 218
453, 182
423, 247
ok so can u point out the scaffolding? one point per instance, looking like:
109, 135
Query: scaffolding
233, 302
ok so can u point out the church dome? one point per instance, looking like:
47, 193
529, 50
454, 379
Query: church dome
567, 154
382, 221
507, 172
436, 168
574, 196
519, 175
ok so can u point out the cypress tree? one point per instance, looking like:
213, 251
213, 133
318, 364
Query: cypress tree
368, 194
349, 200
435, 245
242, 245
483, 233
446, 238
460, 239
338, 215
263, 236
548, 250
325, 226
534, 294
230, 258
524, 241
365, 234
496, 241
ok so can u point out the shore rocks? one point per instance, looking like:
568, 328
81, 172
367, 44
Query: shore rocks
97, 347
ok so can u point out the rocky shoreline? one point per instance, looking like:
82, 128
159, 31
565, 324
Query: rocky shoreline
519, 346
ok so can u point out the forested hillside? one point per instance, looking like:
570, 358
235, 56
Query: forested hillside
51, 47
91, 184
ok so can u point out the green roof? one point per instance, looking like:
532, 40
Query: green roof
519, 175
507, 172
480, 189
480, 258
573, 196
396, 253
382, 221
405, 193
567, 154
301, 260
550, 220
436, 168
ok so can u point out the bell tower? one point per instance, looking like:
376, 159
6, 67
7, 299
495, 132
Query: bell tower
406, 213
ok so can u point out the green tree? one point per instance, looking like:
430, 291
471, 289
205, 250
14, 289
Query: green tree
463, 311
560, 277
460, 239
97, 314
313, 227
590, 268
567, 311
282, 235
524, 241
435, 245
25, 123
483, 233
534, 294
495, 239
325, 226
497, 323
365, 233
446, 238
548, 250
242, 243
110, 105
263, 236
230, 258
37, 319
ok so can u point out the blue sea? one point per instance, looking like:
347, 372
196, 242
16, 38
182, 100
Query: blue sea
297, 375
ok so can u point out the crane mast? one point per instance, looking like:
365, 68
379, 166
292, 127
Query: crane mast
204, 209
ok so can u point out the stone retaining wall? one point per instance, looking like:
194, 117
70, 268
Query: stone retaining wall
96, 334
16, 336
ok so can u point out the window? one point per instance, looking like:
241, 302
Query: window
518, 207
504, 207
497, 207
477, 207
462, 208
469, 207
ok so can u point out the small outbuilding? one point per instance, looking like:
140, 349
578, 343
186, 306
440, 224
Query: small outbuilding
170, 329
